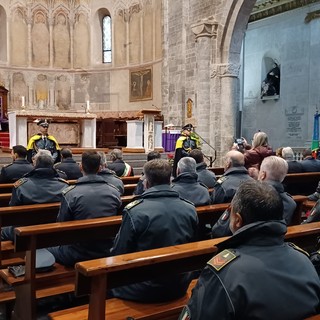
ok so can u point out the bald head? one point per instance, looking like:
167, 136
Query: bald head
233, 159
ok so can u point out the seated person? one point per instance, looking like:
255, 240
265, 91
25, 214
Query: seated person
234, 174
140, 188
272, 171
256, 275
187, 185
19, 166
121, 168
205, 176
91, 197
293, 165
41, 185
68, 165
309, 164
109, 175
159, 218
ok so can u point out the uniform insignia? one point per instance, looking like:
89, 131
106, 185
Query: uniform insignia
20, 182
222, 179
133, 204
66, 190
222, 259
225, 215
185, 314
292, 245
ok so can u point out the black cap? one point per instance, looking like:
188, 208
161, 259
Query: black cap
188, 127
43, 123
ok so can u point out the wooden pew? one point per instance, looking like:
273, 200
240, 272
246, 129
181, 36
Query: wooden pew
61, 280
301, 183
132, 179
96, 276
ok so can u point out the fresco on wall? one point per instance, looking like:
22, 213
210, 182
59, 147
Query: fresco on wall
61, 42
63, 93
92, 87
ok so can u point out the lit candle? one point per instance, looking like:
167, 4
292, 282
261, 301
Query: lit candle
22, 101
88, 105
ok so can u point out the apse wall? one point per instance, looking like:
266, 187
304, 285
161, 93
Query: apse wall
59, 54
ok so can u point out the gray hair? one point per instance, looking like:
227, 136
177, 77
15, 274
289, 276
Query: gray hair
116, 154
43, 159
275, 167
287, 153
187, 164
259, 139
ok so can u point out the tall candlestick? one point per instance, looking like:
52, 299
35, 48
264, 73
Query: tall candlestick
88, 106
22, 101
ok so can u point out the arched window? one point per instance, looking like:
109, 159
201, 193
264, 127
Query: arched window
106, 39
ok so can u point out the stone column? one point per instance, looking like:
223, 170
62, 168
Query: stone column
225, 80
51, 22
29, 24
203, 31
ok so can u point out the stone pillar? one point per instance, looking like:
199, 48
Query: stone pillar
29, 24
225, 80
203, 31
158, 136
51, 22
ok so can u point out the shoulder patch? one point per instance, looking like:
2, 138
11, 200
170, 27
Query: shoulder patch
223, 258
292, 245
222, 179
66, 190
133, 204
20, 182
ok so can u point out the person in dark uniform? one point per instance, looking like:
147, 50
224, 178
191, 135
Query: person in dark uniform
309, 164
140, 188
19, 167
205, 176
68, 165
293, 165
40, 185
91, 197
234, 174
158, 218
272, 171
187, 185
121, 168
43, 140
109, 175
256, 275
187, 141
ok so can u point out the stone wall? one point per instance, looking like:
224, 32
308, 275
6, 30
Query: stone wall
295, 46
202, 44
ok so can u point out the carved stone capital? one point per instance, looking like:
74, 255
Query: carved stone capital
225, 70
205, 28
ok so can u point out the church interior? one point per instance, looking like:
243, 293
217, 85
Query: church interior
196, 62
131, 74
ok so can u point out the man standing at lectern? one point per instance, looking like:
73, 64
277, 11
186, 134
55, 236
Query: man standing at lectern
43, 140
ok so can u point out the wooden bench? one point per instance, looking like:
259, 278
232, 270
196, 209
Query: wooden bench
61, 280
301, 183
23, 216
131, 179
96, 276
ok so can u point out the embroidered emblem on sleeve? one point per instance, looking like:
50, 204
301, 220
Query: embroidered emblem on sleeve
222, 259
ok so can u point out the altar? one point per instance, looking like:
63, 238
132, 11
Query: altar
70, 129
